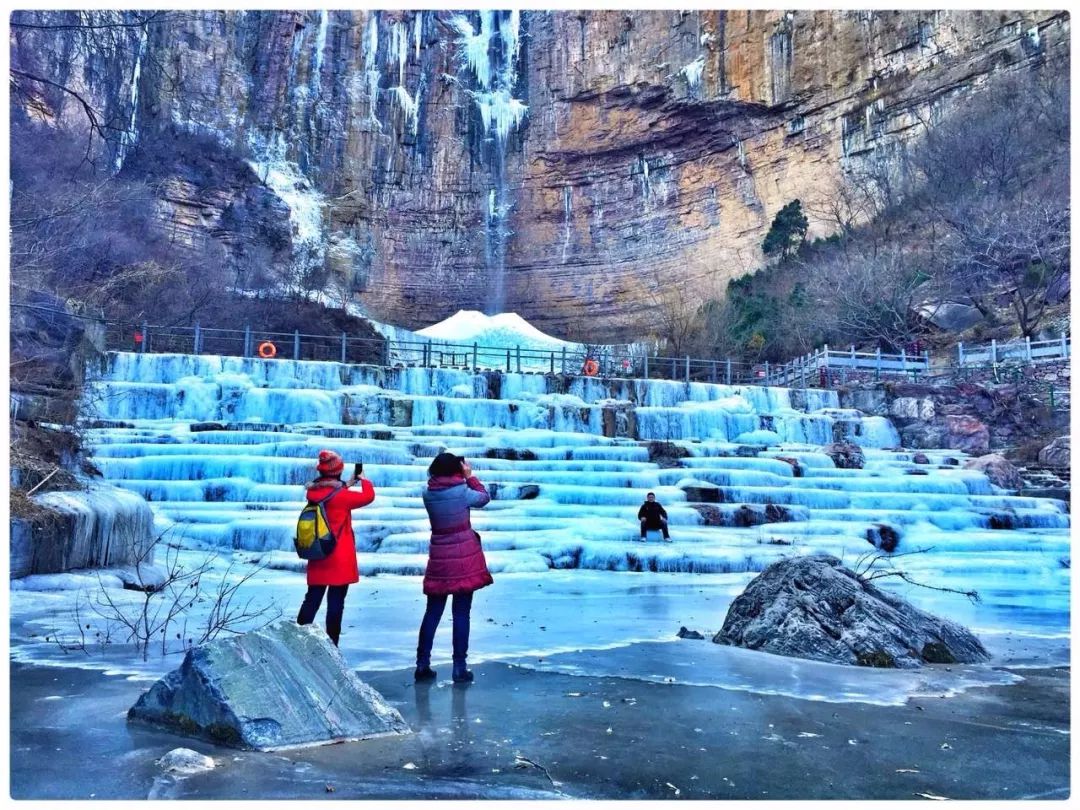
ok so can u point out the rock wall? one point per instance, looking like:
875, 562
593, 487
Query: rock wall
550, 163
974, 417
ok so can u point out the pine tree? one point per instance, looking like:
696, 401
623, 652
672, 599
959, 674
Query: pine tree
787, 232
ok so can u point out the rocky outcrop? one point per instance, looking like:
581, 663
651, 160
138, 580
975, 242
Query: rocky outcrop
973, 417
588, 156
50, 348
813, 607
845, 455
101, 526
966, 433
998, 469
284, 686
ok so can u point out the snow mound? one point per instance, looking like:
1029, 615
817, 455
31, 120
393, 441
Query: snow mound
505, 330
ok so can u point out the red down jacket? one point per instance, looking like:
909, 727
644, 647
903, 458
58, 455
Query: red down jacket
456, 561
340, 567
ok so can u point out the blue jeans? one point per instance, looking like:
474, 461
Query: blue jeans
459, 610
335, 608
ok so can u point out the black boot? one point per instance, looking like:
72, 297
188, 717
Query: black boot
461, 674
423, 672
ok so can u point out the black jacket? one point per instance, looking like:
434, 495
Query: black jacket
651, 512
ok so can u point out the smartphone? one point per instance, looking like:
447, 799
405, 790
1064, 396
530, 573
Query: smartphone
358, 468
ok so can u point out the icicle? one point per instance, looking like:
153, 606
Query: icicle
409, 105
418, 27
371, 66
693, 71
477, 45
399, 49
129, 137
510, 31
320, 43
500, 113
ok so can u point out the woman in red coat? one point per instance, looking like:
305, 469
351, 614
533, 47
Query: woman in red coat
456, 563
338, 571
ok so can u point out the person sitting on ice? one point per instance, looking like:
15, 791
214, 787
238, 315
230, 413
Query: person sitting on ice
652, 517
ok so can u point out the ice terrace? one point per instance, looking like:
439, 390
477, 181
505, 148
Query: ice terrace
220, 446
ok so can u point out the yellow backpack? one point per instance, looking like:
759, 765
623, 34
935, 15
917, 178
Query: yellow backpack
315, 540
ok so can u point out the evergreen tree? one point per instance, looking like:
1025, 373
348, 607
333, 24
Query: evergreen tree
787, 232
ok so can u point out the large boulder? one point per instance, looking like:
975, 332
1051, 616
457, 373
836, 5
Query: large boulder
968, 434
814, 607
284, 686
845, 455
1056, 454
998, 469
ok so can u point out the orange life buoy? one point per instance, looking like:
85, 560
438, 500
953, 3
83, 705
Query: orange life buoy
267, 350
591, 368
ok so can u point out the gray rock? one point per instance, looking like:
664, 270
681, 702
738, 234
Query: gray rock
284, 686
912, 408
923, 436
871, 401
813, 607
703, 493
513, 492
185, 762
1056, 454
510, 454
401, 412
694, 634
998, 469
952, 316
845, 455
667, 454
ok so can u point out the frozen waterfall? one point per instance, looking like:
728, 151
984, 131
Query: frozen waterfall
221, 445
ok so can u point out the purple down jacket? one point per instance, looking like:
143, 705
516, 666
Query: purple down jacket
456, 562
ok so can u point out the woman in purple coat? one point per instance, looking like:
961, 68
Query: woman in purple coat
456, 563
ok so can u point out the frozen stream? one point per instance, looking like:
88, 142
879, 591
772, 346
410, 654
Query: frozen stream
220, 446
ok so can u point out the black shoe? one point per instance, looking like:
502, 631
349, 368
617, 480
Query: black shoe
463, 676
424, 674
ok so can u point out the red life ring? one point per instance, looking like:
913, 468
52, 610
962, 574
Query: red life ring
267, 350
591, 368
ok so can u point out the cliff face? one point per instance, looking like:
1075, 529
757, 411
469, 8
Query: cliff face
557, 164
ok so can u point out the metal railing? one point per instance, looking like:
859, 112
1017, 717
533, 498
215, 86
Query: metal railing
1025, 351
344, 348
824, 367
821, 366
